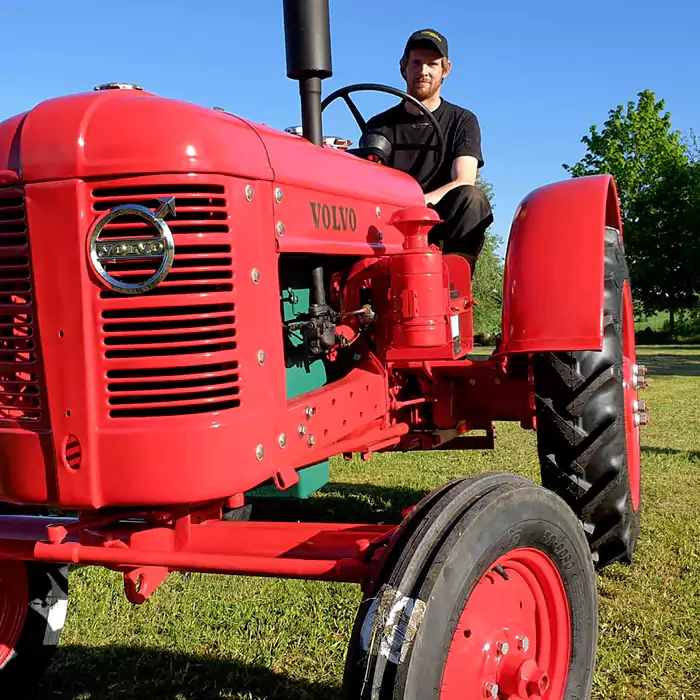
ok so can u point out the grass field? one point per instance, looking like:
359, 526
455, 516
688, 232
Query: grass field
205, 637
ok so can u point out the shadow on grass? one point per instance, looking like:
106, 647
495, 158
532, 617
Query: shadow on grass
692, 455
141, 673
342, 503
670, 364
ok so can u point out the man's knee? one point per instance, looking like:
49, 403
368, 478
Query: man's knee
462, 199
467, 214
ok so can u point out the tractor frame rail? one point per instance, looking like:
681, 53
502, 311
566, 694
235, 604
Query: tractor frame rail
146, 551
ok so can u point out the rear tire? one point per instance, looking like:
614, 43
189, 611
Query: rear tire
436, 627
588, 441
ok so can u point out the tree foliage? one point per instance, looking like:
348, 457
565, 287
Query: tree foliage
488, 279
657, 173
636, 145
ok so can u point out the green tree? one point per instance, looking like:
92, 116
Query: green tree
487, 286
636, 145
657, 185
667, 242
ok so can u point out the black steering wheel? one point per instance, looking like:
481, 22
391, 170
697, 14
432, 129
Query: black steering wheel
344, 93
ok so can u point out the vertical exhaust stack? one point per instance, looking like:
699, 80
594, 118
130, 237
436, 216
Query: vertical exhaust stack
307, 34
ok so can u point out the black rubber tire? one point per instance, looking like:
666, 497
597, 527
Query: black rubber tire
410, 549
491, 519
47, 607
581, 437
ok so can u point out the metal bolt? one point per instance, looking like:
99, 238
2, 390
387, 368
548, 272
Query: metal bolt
278, 195
502, 648
261, 357
282, 439
641, 419
379, 212
491, 690
311, 440
302, 430
309, 412
641, 407
640, 382
249, 192
640, 369
380, 236
280, 228
255, 275
259, 452
524, 644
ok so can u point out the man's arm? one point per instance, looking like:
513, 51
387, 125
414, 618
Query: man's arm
463, 173
465, 150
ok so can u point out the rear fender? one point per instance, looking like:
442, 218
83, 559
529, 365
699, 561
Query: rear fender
553, 285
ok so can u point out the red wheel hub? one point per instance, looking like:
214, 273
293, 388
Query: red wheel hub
513, 639
14, 597
629, 365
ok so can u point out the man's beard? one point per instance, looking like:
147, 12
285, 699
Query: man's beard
424, 91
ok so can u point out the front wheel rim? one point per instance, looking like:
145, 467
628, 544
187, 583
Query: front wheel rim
14, 596
513, 638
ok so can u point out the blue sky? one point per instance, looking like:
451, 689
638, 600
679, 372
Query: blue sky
536, 73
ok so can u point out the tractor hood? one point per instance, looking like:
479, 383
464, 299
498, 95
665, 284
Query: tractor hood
115, 133
127, 132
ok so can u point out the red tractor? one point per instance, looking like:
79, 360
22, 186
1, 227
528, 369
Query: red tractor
198, 312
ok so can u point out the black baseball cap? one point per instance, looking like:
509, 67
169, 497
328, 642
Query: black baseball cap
427, 36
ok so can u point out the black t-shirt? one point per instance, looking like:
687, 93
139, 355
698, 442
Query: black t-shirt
414, 142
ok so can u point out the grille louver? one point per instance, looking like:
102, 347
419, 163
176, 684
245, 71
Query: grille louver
172, 350
21, 392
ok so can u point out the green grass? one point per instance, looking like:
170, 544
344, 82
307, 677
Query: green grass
205, 637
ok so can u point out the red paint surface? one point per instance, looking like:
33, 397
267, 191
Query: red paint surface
531, 604
163, 398
553, 288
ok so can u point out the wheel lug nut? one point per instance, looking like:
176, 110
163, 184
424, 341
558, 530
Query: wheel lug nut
524, 644
641, 407
641, 419
502, 648
640, 382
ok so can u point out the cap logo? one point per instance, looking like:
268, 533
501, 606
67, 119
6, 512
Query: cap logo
434, 35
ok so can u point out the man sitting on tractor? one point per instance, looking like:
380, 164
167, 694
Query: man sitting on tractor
452, 192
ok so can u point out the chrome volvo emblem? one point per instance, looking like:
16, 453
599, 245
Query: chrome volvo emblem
160, 246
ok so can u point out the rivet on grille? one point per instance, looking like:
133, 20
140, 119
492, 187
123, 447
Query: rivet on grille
311, 440
379, 212
282, 439
280, 228
255, 275
278, 195
259, 452
261, 357
249, 191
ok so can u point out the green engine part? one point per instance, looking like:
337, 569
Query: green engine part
300, 379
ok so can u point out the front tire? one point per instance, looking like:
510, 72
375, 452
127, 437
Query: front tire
588, 425
504, 605
33, 607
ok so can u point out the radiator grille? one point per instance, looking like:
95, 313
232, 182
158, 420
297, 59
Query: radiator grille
20, 388
172, 350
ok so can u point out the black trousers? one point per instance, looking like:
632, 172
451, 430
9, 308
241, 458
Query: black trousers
466, 214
